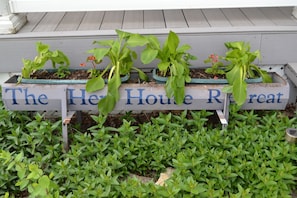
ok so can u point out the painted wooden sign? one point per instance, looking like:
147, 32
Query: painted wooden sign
149, 96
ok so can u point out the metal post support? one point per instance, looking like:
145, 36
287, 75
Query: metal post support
224, 115
66, 118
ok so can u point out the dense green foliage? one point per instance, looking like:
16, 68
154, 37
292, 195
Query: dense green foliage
248, 159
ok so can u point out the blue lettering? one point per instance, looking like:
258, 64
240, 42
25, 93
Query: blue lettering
162, 102
72, 97
279, 97
263, 98
139, 97
270, 98
93, 99
214, 95
155, 99
14, 101
41, 98
27, 97
251, 98
188, 99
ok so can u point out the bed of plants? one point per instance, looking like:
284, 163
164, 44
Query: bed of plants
250, 158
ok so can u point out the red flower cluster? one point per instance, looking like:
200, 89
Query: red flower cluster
214, 58
90, 58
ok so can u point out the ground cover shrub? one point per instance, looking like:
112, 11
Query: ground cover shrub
250, 158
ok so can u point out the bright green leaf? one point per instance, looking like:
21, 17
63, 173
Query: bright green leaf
148, 55
95, 84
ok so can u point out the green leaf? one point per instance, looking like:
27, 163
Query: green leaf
163, 66
42, 48
142, 75
148, 55
22, 183
21, 169
235, 45
10, 165
154, 42
137, 40
107, 43
44, 181
115, 50
183, 48
106, 104
239, 91
172, 42
6, 195
35, 172
99, 53
95, 84
19, 157
179, 95
234, 74
6, 156
39, 190
228, 89
123, 34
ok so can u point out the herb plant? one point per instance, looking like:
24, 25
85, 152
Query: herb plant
240, 68
121, 58
44, 55
174, 62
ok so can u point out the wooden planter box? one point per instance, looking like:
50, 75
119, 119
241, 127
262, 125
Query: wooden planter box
149, 96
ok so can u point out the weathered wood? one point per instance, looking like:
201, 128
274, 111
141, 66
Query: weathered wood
140, 97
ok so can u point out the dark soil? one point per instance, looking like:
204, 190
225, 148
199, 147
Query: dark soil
84, 74
74, 75
198, 73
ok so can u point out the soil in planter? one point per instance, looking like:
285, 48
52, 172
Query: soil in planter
198, 73
79, 74
84, 74
74, 75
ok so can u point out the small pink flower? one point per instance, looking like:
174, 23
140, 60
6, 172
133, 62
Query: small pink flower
83, 64
214, 58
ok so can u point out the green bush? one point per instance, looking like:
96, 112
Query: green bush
250, 158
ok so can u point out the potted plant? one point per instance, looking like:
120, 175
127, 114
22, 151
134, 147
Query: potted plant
173, 64
241, 68
59, 60
121, 62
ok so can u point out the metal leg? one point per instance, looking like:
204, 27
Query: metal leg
224, 115
66, 118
